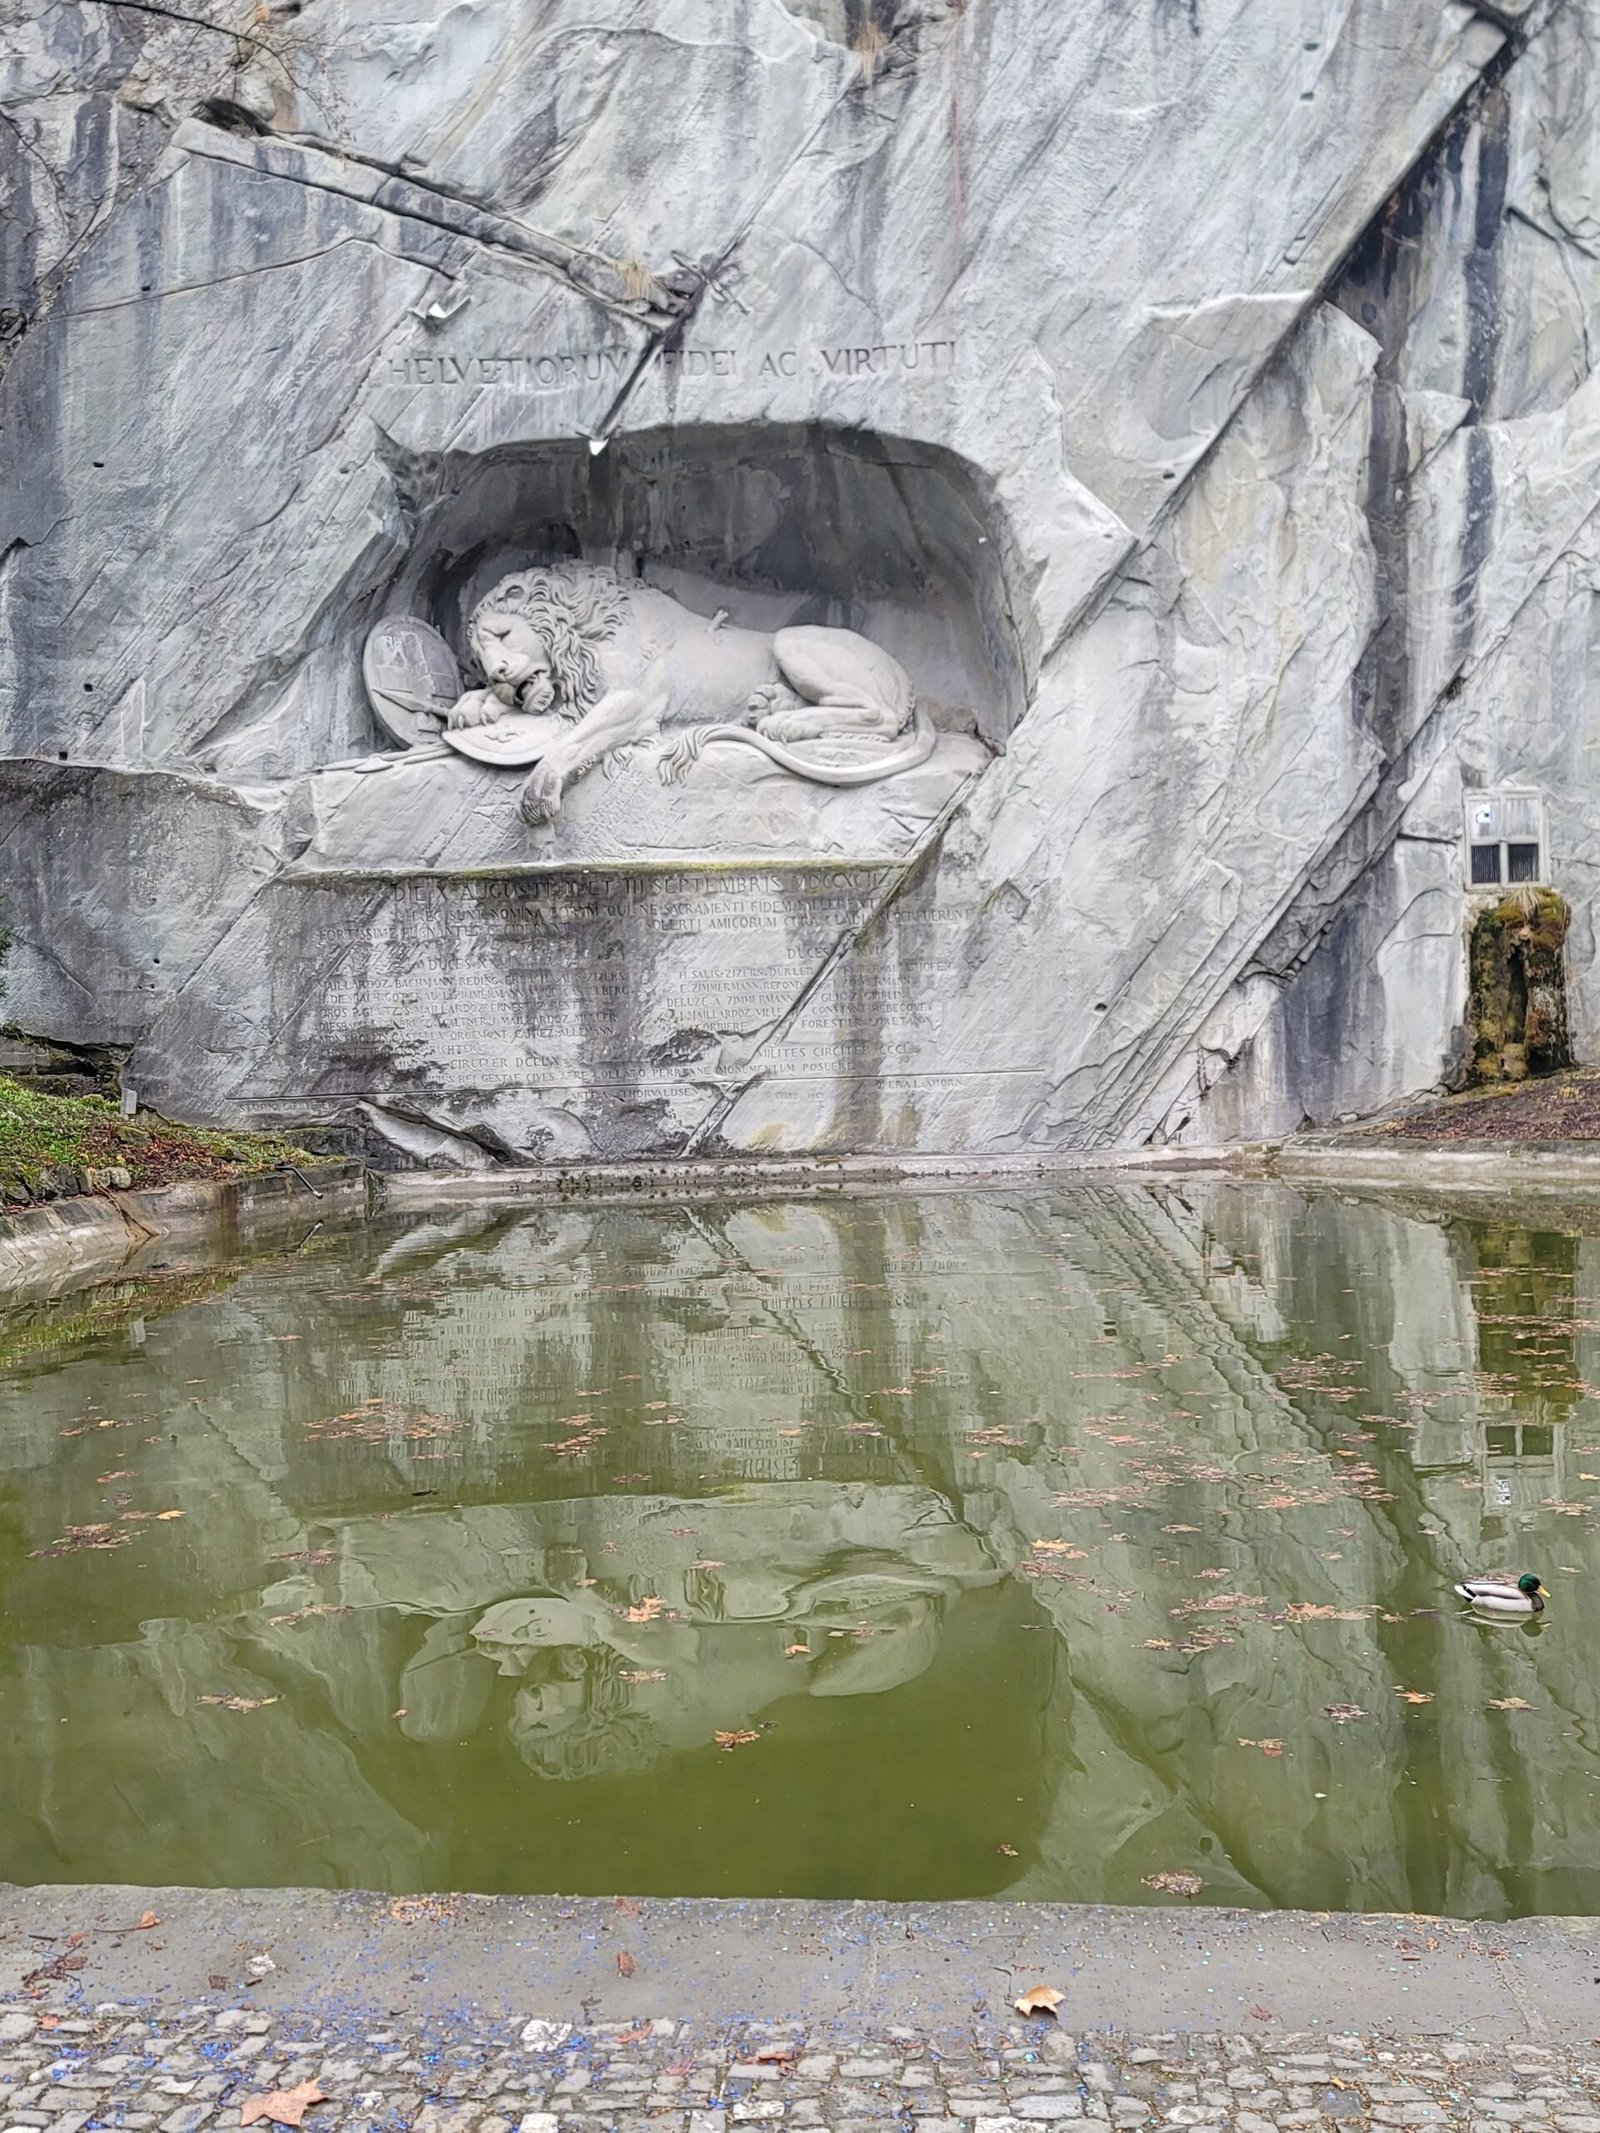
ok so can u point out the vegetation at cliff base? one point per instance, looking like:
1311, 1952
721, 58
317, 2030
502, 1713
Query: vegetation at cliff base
50, 1144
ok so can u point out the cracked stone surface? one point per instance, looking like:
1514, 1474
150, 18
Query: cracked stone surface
1199, 401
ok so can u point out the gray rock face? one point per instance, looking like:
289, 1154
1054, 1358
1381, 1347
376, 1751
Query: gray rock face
1195, 403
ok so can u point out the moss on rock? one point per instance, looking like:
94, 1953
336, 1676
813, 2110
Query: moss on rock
1516, 987
51, 1146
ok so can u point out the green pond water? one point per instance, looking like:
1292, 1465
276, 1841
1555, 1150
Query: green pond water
1015, 1543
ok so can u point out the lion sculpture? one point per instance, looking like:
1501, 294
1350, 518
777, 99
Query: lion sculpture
610, 664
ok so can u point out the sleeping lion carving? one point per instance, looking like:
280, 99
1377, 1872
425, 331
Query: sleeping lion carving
585, 664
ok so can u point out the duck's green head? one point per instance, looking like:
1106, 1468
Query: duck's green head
1529, 1584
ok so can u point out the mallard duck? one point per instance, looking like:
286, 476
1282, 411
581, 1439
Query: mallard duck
1494, 1593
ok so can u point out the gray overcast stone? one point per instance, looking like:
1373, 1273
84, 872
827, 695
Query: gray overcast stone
1195, 402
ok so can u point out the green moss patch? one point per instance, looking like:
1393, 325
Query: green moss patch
54, 1145
1516, 987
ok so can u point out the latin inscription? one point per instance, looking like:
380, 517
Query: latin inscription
568, 369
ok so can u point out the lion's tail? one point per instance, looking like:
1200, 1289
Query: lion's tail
918, 745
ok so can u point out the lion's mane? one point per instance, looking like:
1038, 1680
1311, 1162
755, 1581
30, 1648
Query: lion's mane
574, 607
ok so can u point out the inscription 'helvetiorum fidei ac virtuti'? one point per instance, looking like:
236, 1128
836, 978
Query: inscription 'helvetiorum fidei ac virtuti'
565, 369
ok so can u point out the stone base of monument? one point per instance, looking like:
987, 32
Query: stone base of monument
398, 955
445, 812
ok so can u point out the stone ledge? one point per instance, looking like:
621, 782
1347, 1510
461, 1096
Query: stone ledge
1468, 1166
431, 1959
91, 1236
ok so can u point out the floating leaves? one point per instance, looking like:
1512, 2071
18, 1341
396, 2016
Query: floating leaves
1175, 1881
1267, 1747
80, 1537
240, 1703
646, 1611
1508, 1703
378, 1421
740, 1739
1413, 1695
1342, 1713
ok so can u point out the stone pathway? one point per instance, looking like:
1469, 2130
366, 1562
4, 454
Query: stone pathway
179, 2070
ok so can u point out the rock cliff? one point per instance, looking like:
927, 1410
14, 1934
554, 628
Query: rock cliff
1197, 398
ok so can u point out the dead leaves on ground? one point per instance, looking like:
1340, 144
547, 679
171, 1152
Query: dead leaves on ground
1039, 2000
626, 1965
58, 1967
284, 2107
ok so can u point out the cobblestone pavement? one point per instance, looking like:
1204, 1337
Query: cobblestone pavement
185, 2069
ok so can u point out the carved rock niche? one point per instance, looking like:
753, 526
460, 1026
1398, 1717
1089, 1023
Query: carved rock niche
805, 531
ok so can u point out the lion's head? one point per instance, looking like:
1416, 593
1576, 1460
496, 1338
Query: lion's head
533, 636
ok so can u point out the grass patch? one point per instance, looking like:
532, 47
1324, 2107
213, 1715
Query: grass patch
43, 1138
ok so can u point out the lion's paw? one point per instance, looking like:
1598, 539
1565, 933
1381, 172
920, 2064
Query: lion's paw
477, 709
804, 725
540, 798
771, 697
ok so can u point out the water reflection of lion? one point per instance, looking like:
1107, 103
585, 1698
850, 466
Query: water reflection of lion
619, 663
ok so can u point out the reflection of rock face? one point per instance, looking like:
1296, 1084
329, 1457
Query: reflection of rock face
801, 1587
1054, 1499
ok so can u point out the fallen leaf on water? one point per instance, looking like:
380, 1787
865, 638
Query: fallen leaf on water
1342, 1713
1413, 1695
1158, 1644
179, 1514
1009, 1850
1508, 1703
240, 1703
1040, 1999
1175, 1881
646, 1611
645, 1673
1267, 1747
626, 1965
741, 1739
285, 2107
797, 1651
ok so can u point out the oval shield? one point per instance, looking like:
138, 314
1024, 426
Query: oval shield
519, 738
411, 676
